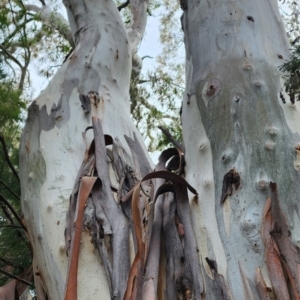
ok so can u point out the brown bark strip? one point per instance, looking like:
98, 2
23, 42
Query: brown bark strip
191, 283
191, 257
137, 267
86, 169
151, 275
114, 213
100, 230
153, 255
9, 291
261, 285
272, 255
173, 247
27, 276
291, 279
282, 236
86, 186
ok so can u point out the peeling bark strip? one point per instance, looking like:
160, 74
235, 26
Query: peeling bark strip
84, 191
137, 268
103, 216
219, 286
261, 285
231, 178
282, 257
9, 291
108, 221
190, 284
177, 162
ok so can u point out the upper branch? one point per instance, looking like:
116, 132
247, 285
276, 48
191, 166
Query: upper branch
136, 30
53, 20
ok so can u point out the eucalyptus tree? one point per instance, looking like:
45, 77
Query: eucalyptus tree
21, 34
102, 225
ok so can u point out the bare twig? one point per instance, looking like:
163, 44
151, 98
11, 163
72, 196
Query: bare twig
7, 214
146, 56
10, 190
16, 277
11, 226
7, 157
10, 56
2, 198
169, 136
10, 263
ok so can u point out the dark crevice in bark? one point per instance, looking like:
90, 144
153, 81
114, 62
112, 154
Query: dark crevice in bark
232, 178
176, 162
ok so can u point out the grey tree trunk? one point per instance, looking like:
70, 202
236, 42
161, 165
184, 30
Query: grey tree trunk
243, 148
238, 237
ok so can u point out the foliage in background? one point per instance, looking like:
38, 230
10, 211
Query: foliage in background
15, 253
156, 95
290, 11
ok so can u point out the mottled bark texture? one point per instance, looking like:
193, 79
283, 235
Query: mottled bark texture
93, 82
97, 217
240, 138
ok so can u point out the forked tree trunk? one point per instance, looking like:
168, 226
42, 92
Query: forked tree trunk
240, 140
242, 156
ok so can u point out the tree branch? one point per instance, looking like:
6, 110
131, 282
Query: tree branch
13, 211
169, 136
136, 31
16, 277
53, 20
10, 56
11, 226
9, 189
7, 214
123, 5
7, 156
11, 264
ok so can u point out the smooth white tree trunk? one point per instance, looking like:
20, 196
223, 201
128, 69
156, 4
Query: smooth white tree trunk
53, 147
